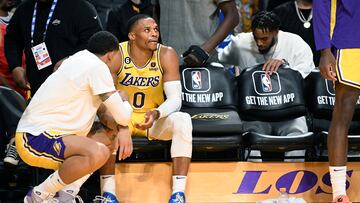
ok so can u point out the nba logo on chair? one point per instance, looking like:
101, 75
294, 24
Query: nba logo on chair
196, 79
265, 84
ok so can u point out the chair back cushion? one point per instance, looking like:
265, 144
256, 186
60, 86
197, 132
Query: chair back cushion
208, 87
272, 98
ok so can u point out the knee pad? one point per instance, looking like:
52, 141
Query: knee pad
182, 135
182, 125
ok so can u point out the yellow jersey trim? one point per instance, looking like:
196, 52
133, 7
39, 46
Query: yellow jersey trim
158, 58
332, 17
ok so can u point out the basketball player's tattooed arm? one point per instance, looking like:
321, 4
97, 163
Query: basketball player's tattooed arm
124, 141
106, 118
106, 95
120, 135
104, 115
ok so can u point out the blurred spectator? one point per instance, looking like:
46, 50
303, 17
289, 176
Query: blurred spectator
8, 121
246, 9
103, 8
296, 17
62, 27
266, 44
193, 28
6, 78
119, 16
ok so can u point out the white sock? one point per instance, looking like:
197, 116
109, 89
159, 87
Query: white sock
50, 186
179, 183
74, 187
338, 180
107, 183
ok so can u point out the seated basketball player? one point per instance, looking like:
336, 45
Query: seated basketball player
148, 71
52, 131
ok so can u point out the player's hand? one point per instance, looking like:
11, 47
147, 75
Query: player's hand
124, 142
150, 117
327, 65
272, 65
195, 56
191, 61
19, 75
124, 96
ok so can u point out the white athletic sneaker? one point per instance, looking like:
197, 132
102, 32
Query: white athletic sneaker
107, 197
67, 197
32, 197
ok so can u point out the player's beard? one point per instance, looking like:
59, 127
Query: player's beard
153, 49
265, 51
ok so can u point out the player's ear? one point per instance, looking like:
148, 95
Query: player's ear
131, 35
108, 57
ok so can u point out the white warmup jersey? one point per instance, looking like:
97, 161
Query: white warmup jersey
242, 51
68, 100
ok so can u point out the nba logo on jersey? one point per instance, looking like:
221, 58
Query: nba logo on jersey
266, 83
196, 79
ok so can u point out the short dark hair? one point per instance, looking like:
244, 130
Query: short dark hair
133, 20
265, 20
103, 42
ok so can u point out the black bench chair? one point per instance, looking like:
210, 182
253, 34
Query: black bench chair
15, 182
210, 97
12, 106
274, 98
320, 101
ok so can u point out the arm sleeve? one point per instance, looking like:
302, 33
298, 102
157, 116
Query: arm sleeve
121, 111
14, 43
322, 23
87, 23
172, 103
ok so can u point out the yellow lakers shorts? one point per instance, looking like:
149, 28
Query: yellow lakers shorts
348, 67
45, 150
138, 118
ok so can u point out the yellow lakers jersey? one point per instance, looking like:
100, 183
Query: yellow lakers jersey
144, 85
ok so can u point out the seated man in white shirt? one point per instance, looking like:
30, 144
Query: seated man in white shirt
271, 47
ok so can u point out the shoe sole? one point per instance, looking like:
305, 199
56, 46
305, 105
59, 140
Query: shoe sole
11, 161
